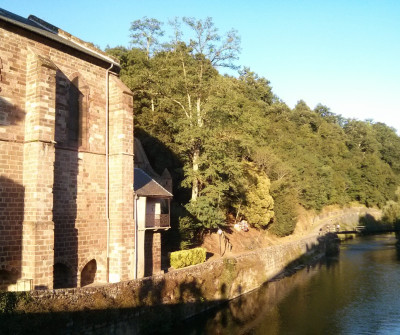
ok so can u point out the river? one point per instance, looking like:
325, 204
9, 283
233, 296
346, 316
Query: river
357, 292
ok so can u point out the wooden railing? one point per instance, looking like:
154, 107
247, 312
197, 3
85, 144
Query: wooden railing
18, 286
155, 221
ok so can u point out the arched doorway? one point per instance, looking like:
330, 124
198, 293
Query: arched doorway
88, 273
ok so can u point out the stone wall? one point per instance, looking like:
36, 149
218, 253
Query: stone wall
165, 299
347, 218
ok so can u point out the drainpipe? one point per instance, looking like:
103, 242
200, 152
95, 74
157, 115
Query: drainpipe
107, 177
136, 238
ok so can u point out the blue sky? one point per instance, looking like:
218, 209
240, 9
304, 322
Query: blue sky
343, 54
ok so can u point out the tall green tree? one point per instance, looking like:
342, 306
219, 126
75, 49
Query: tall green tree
145, 33
258, 208
197, 60
221, 135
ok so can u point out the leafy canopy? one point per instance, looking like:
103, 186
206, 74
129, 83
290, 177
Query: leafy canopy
233, 147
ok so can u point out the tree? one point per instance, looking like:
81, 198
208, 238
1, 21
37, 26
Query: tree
389, 145
327, 115
231, 143
283, 190
206, 42
174, 88
258, 208
145, 33
256, 88
391, 210
360, 136
189, 68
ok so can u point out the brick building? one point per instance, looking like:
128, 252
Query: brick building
66, 160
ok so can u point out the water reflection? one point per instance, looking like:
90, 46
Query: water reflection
244, 314
354, 293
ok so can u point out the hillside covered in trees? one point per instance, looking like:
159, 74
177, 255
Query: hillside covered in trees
233, 147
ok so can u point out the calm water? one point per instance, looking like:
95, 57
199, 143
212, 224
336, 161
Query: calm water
357, 292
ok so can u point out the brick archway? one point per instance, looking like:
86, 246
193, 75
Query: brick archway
100, 273
88, 273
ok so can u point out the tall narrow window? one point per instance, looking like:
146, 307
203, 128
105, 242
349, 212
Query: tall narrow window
77, 113
75, 99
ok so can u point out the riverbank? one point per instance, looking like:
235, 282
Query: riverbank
176, 295
349, 294
155, 301
309, 224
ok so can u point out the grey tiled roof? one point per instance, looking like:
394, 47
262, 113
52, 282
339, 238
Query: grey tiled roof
17, 18
146, 186
49, 31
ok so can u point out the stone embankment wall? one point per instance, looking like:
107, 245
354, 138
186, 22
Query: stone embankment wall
224, 278
155, 301
348, 218
178, 294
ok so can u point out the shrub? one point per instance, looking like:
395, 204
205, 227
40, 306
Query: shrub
187, 231
8, 301
285, 212
391, 212
180, 259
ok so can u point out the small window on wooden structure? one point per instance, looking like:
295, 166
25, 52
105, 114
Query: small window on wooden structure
77, 113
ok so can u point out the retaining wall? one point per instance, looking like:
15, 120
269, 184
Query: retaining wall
148, 304
168, 298
347, 217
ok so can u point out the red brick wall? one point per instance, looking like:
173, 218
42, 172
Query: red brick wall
38, 172
45, 178
152, 262
11, 208
12, 105
121, 182
156, 252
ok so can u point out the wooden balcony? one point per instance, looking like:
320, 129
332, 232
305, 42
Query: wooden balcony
157, 221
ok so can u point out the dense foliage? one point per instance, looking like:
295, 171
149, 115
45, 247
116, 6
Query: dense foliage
231, 144
183, 258
391, 211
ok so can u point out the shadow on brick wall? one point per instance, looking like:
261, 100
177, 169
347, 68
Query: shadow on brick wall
9, 113
65, 188
148, 251
11, 218
11, 203
64, 217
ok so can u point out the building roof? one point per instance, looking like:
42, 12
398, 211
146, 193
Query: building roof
141, 160
45, 29
146, 186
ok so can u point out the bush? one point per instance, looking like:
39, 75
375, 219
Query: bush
8, 301
391, 212
187, 232
180, 259
285, 212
